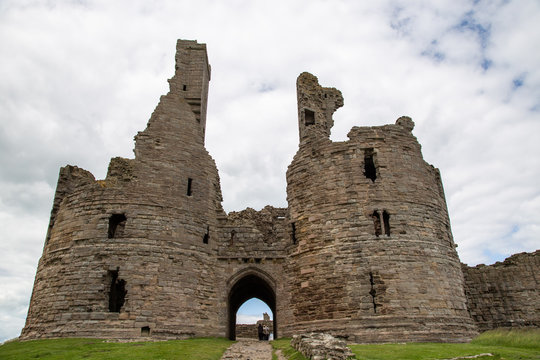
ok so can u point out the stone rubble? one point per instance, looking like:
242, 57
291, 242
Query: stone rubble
320, 346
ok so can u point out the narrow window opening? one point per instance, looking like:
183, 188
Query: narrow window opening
184, 87
145, 331
293, 233
372, 292
386, 221
233, 234
369, 165
117, 291
206, 236
117, 223
189, 186
376, 223
309, 117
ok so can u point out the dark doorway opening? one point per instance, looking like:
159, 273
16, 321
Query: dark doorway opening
117, 291
250, 286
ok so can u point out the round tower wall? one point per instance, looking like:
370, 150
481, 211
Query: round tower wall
373, 243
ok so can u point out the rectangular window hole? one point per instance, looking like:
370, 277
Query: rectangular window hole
189, 187
206, 236
145, 331
309, 117
369, 165
117, 223
233, 234
386, 221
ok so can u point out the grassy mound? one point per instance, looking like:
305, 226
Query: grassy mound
61, 349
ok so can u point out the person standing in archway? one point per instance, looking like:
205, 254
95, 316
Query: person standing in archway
260, 331
266, 332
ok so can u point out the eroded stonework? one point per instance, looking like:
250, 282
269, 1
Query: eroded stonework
364, 250
505, 294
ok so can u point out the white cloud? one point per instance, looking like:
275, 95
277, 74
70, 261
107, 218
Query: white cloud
79, 79
247, 319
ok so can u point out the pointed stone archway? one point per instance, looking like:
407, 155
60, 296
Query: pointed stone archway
244, 285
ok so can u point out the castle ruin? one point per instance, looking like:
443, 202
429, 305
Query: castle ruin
363, 251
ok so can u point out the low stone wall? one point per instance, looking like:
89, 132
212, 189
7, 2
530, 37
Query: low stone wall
247, 331
251, 331
506, 293
318, 346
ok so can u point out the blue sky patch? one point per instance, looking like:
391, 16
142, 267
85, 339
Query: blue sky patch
433, 52
517, 82
486, 63
469, 23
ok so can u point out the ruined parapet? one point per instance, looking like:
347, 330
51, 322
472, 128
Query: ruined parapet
506, 293
264, 229
120, 171
69, 178
316, 105
367, 214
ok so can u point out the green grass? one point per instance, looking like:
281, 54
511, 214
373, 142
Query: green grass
287, 350
503, 344
65, 349
522, 338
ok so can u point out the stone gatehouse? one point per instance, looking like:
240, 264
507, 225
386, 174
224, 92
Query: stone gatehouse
363, 251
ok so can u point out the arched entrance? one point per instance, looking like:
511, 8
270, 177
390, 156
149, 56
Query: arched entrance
250, 283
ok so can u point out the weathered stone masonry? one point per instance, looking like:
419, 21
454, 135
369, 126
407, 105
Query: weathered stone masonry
363, 251
505, 294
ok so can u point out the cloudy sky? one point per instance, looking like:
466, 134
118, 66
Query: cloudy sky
78, 79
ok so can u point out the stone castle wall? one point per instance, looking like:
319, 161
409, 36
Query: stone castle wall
363, 251
505, 294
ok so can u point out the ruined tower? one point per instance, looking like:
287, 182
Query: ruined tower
124, 253
364, 249
374, 252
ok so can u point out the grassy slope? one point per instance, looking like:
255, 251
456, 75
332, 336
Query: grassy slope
286, 349
192, 349
504, 344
